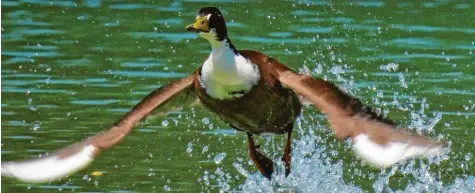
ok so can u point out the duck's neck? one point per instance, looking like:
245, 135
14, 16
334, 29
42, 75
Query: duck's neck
223, 55
222, 46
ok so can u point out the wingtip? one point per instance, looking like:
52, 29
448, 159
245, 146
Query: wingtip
9, 170
5, 171
393, 152
49, 168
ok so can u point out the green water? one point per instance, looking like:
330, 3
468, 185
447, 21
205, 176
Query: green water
72, 68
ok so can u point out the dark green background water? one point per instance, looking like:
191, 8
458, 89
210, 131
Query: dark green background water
71, 68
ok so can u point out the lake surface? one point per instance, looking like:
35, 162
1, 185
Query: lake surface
72, 68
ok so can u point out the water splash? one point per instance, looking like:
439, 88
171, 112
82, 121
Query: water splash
322, 164
313, 170
391, 67
402, 80
219, 158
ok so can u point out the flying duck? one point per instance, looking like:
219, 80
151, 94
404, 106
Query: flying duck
253, 93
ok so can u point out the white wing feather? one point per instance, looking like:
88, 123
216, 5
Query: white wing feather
50, 167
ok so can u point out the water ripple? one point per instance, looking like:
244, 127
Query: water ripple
147, 74
173, 37
95, 102
31, 54
425, 28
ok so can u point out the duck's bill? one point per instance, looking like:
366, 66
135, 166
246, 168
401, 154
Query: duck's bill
201, 25
191, 28
51, 167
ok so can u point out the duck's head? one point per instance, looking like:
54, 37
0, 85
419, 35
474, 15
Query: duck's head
209, 24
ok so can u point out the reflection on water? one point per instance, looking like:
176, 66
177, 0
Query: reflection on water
71, 68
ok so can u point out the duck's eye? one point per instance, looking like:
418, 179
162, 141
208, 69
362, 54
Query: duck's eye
202, 22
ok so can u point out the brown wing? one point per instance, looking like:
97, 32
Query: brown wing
374, 137
77, 156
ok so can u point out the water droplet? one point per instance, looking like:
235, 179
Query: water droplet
205, 149
189, 147
35, 127
219, 158
166, 188
205, 121
165, 123
319, 69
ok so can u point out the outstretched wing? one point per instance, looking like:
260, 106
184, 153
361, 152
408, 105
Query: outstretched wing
374, 137
79, 155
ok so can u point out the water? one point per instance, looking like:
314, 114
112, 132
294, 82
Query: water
71, 68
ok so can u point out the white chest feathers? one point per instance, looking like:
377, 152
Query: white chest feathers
226, 75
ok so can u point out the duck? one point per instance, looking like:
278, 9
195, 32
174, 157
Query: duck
253, 93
